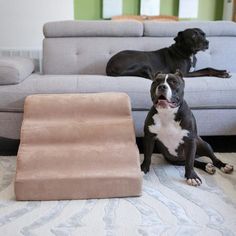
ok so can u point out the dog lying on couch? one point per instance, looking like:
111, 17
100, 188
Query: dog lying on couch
171, 124
180, 55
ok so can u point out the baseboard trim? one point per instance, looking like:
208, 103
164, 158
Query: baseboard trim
9, 147
218, 143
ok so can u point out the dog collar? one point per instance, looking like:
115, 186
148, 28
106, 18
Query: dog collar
193, 61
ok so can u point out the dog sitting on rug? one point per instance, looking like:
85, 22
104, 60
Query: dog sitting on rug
180, 55
171, 124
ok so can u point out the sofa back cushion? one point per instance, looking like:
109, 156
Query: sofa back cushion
84, 47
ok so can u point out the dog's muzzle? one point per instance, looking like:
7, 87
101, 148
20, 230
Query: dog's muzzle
164, 103
206, 45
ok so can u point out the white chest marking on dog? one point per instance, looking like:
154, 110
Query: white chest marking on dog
168, 131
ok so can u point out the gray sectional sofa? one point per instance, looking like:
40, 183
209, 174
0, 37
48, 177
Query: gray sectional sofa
75, 54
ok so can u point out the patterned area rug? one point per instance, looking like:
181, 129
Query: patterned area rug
168, 207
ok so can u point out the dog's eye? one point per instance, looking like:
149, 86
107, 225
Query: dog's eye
203, 34
156, 83
172, 81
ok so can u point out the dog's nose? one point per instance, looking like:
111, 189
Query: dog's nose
162, 87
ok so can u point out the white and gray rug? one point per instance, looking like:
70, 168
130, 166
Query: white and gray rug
168, 207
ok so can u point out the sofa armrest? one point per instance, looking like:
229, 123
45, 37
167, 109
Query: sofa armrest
13, 70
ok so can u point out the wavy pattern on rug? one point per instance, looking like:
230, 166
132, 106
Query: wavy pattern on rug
168, 206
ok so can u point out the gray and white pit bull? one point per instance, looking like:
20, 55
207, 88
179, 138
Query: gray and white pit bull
171, 125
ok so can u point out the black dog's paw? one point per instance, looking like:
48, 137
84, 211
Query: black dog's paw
210, 168
224, 74
145, 168
227, 169
193, 179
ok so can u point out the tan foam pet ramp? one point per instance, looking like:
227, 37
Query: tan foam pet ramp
77, 146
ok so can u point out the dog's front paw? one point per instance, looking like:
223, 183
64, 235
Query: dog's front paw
145, 168
210, 168
193, 179
224, 74
227, 169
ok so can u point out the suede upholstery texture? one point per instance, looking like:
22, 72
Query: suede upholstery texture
77, 146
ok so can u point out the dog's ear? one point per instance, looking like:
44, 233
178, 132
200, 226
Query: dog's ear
155, 75
179, 73
179, 37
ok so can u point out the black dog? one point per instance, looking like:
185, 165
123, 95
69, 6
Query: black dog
171, 124
180, 55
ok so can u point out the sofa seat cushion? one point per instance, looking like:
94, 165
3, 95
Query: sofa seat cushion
200, 92
211, 92
12, 96
15, 69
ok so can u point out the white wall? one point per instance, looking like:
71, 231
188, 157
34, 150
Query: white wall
21, 21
